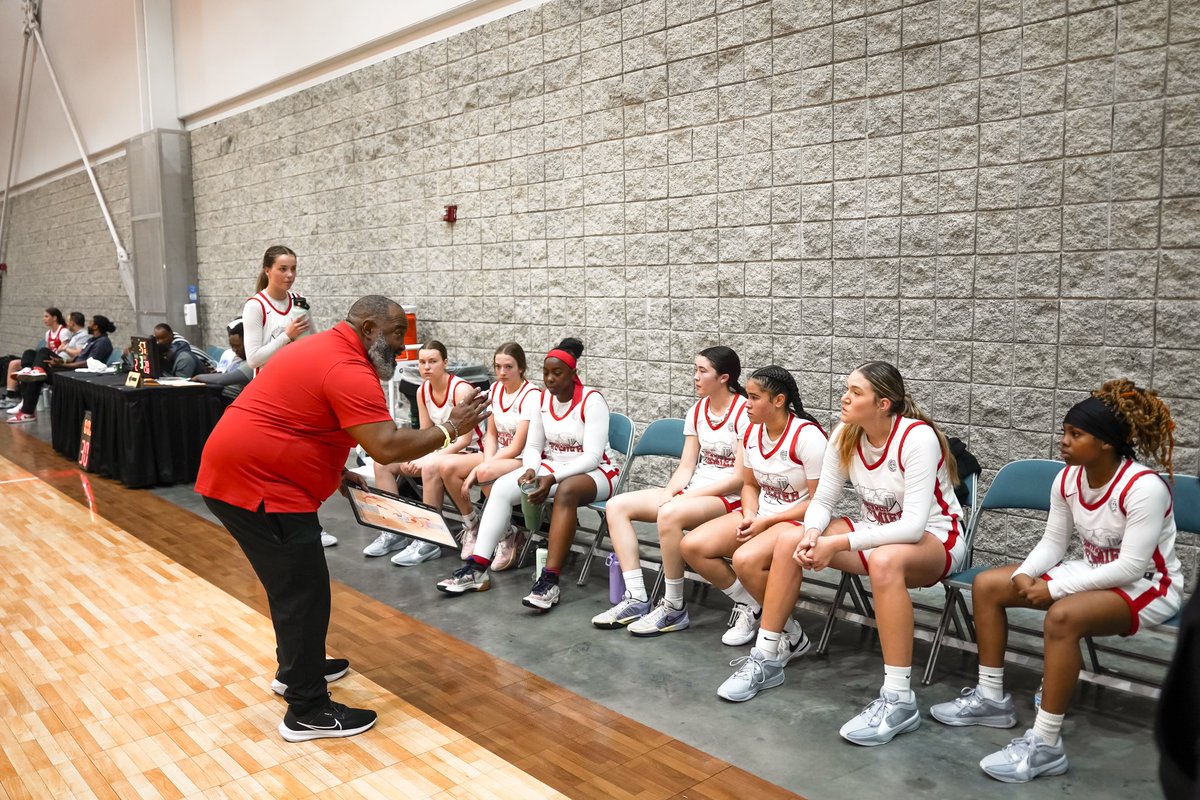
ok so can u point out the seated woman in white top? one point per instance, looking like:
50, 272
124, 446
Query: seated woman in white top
275, 316
908, 534
514, 403
706, 484
1129, 576
57, 335
566, 458
436, 398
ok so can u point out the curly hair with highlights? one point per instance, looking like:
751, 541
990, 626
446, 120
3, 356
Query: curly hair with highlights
1151, 429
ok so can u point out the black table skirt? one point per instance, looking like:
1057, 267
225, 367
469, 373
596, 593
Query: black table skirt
141, 437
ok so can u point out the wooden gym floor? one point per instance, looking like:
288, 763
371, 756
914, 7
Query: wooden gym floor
136, 661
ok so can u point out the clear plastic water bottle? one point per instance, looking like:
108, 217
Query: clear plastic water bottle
539, 562
1037, 698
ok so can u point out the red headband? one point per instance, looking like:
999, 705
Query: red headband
563, 356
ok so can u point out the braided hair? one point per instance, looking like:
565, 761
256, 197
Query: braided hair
1151, 428
778, 381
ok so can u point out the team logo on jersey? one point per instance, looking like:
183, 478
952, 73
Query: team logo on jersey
880, 506
565, 443
1113, 505
777, 488
1101, 546
891, 465
719, 455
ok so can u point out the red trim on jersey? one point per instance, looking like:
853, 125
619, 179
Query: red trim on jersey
792, 450
515, 396
696, 417
262, 307
263, 298
741, 404
1062, 483
1111, 485
708, 404
446, 397
782, 437
887, 445
1128, 486
900, 447
575, 401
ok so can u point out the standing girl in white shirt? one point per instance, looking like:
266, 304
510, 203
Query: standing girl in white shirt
275, 316
1129, 576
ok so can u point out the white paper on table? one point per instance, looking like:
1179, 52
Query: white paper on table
95, 365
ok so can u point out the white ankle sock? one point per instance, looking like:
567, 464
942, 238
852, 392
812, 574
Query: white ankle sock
635, 584
471, 518
768, 644
792, 627
1047, 726
899, 680
738, 594
991, 682
674, 592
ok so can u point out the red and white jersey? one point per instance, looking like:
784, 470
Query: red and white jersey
1099, 517
718, 437
439, 411
510, 410
877, 474
784, 467
56, 338
274, 315
563, 423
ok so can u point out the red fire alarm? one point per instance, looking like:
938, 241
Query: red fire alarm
451, 214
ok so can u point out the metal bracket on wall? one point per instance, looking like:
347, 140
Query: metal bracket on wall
32, 10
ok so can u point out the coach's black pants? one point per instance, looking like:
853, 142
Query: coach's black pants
285, 551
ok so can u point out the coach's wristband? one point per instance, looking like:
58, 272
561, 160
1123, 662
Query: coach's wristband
446, 433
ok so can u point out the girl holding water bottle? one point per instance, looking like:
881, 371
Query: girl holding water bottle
565, 458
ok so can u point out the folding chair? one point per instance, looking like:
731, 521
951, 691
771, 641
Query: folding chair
620, 438
663, 437
1020, 485
852, 585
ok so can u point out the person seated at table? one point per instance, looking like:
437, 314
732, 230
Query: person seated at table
99, 347
56, 336
233, 371
181, 359
80, 336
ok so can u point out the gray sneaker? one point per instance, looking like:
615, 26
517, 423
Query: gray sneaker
417, 553
885, 718
972, 708
754, 673
386, 543
793, 644
1024, 759
543, 596
623, 613
663, 618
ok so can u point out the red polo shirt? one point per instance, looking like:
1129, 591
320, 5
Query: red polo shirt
283, 441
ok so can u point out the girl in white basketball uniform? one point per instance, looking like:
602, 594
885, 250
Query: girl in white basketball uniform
1129, 576
782, 451
706, 484
909, 533
514, 403
275, 315
565, 458
436, 398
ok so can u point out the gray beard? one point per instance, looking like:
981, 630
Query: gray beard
383, 358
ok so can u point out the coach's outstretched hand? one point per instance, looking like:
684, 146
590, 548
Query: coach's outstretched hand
470, 412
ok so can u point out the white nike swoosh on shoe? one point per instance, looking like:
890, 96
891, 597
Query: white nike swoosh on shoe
334, 726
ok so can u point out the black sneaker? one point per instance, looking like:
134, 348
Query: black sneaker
329, 721
334, 669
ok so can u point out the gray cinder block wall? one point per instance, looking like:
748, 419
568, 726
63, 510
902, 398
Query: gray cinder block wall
1000, 196
60, 254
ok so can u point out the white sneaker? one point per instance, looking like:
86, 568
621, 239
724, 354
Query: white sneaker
972, 708
793, 644
328, 539
466, 579
743, 626
417, 553
543, 596
754, 673
885, 718
623, 613
1026, 758
386, 543
14, 409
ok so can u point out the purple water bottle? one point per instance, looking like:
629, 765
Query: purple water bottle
616, 581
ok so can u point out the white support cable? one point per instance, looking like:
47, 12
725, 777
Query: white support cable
12, 150
124, 267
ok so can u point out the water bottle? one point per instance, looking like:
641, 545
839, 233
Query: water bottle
539, 563
616, 580
1037, 697
531, 511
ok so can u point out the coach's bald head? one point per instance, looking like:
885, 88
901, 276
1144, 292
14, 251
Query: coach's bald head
380, 324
